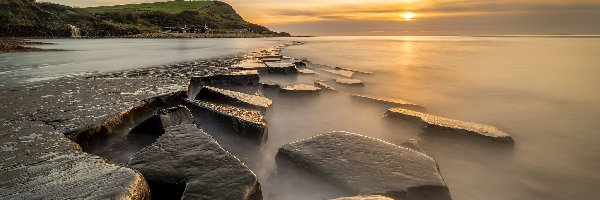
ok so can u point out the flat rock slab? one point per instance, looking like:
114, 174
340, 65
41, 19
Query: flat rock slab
246, 122
249, 64
364, 197
354, 70
218, 95
324, 85
300, 88
43, 164
366, 166
349, 81
238, 78
281, 67
436, 122
307, 71
340, 72
397, 102
187, 156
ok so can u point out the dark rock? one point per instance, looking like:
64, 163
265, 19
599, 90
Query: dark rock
243, 78
163, 119
218, 95
349, 81
365, 166
270, 85
43, 164
246, 122
192, 163
364, 197
395, 102
126, 119
281, 67
452, 125
300, 88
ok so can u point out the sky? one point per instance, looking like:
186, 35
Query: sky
431, 17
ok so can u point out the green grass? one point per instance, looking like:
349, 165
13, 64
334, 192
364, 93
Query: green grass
171, 7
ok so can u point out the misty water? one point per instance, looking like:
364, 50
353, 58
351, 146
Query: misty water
541, 90
87, 56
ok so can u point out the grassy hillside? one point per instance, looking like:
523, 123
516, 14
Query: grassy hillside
26, 18
217, 15
170, 7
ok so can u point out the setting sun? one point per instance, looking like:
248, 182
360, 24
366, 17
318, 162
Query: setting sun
408, 15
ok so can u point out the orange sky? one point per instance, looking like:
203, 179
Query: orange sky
433, 17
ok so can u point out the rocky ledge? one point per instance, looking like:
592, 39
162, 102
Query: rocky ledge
452, 125
367, 166
187, 163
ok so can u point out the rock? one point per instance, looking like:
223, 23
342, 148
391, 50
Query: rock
365, 197
343, 73
354, 70
243, 78
349, 81
187, 163
281, 67
270, 59
307, 71
300, 88
324, 85
396, 102
270, 85
217, 95
453, 125
163, 119
366, 166
126, 119
249, 64
246, 122
40, 163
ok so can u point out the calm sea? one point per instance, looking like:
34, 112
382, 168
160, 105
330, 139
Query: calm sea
544, 91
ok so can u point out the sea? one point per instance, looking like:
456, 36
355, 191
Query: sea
543, 90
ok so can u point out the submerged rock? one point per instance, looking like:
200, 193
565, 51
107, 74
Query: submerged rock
270, 85
397, 102
354, 70
243, 78
163, 119
445, 124
349, 81
300, 88
340, 72
281, 67
364, 197
218, 95
246, 122
187, 163
307, 71
364, 165
324, 85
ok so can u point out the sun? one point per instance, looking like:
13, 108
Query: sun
408, 15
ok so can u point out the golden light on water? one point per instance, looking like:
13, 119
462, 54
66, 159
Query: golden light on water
408, 15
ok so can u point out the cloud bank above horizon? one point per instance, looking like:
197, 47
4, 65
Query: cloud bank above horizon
433, 17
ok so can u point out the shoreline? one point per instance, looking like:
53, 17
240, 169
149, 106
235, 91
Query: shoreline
13, 45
